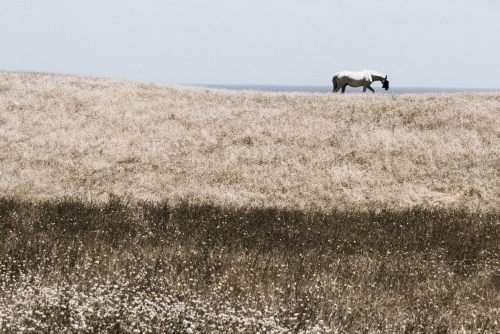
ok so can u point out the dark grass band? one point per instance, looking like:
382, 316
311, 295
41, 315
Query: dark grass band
463, 237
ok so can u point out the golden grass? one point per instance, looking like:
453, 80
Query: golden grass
89, 137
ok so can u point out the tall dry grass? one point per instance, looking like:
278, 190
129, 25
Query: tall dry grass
67, 266
89, 137
131, 207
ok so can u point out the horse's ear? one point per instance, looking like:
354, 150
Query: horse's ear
386, 77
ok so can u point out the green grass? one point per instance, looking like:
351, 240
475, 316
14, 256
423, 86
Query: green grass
203, 268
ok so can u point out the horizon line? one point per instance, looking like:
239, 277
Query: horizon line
323, 86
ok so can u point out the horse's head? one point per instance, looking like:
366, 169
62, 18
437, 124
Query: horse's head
385, 83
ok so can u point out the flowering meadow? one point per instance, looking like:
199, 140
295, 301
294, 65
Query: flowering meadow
70, 266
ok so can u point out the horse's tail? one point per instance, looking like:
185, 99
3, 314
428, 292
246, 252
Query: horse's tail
335, 83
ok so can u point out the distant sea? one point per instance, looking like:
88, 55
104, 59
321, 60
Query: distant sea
328, 89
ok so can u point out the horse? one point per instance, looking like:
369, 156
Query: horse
357, 79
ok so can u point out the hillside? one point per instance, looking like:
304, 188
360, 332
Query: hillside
83, 137
131, 207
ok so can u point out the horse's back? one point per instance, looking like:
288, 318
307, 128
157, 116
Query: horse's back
357, 75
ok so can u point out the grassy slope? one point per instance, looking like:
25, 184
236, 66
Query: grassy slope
89, 137
231, 248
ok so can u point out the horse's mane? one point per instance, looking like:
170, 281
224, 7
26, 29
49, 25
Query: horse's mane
371, 72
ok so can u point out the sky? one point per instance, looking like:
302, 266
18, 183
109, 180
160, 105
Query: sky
419, 43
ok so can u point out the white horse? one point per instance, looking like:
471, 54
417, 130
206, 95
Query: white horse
357, 79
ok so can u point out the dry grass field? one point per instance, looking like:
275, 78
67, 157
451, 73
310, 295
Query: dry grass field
140, 208
89, 137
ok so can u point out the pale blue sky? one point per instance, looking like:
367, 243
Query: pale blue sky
418, 43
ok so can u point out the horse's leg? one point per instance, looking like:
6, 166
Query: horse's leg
370, 88
364, 88
336, 86
343, 88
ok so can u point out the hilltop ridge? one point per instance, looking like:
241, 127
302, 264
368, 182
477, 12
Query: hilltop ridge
85, 137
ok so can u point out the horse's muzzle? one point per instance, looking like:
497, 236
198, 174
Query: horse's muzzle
386, 85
